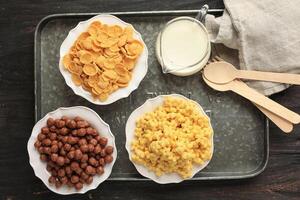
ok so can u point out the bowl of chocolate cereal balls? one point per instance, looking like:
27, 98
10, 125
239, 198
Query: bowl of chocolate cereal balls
72, 150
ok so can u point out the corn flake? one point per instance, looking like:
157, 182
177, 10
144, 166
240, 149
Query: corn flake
90, 69
109, 63
92, 30
93, 80
85, 57
103, 96
67, 60
134, 48
122, 40
96, 24
129, 63
103, 84
124, 79
75, 69
114, 31
121, 70
76, 79
110, 74
87, 43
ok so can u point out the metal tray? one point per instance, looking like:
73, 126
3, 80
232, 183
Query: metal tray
241, 132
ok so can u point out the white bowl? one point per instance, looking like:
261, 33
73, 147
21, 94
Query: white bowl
149, 106
93, 118
139, 71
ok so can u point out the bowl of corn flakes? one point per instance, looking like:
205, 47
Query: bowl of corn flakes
103, 59
169, 138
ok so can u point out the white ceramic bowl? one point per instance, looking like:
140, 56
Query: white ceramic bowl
149, 106
139, 71
93, 118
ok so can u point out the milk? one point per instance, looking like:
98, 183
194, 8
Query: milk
182, 43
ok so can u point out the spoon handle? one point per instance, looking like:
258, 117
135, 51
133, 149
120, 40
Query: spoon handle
242, 89
269, 76
281, 123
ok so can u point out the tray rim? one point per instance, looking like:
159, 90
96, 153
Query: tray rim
37, 90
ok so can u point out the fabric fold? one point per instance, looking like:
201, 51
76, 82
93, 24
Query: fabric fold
266, 35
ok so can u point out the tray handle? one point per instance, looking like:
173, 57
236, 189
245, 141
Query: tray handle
202, 13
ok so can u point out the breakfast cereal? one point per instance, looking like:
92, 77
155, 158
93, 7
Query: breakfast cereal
101, 60
73, 150
172, 138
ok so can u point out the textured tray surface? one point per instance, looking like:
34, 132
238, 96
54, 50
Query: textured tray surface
241, 146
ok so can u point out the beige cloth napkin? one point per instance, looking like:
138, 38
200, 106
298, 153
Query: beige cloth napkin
265, 32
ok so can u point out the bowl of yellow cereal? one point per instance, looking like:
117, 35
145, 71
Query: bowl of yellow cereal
103, 59
169, 138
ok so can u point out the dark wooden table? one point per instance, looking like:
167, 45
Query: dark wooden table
18, 19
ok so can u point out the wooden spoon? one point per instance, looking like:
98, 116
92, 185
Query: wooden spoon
281, 123
242, 89
223, 72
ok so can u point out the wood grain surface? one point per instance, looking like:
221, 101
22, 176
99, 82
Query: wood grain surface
18, 19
